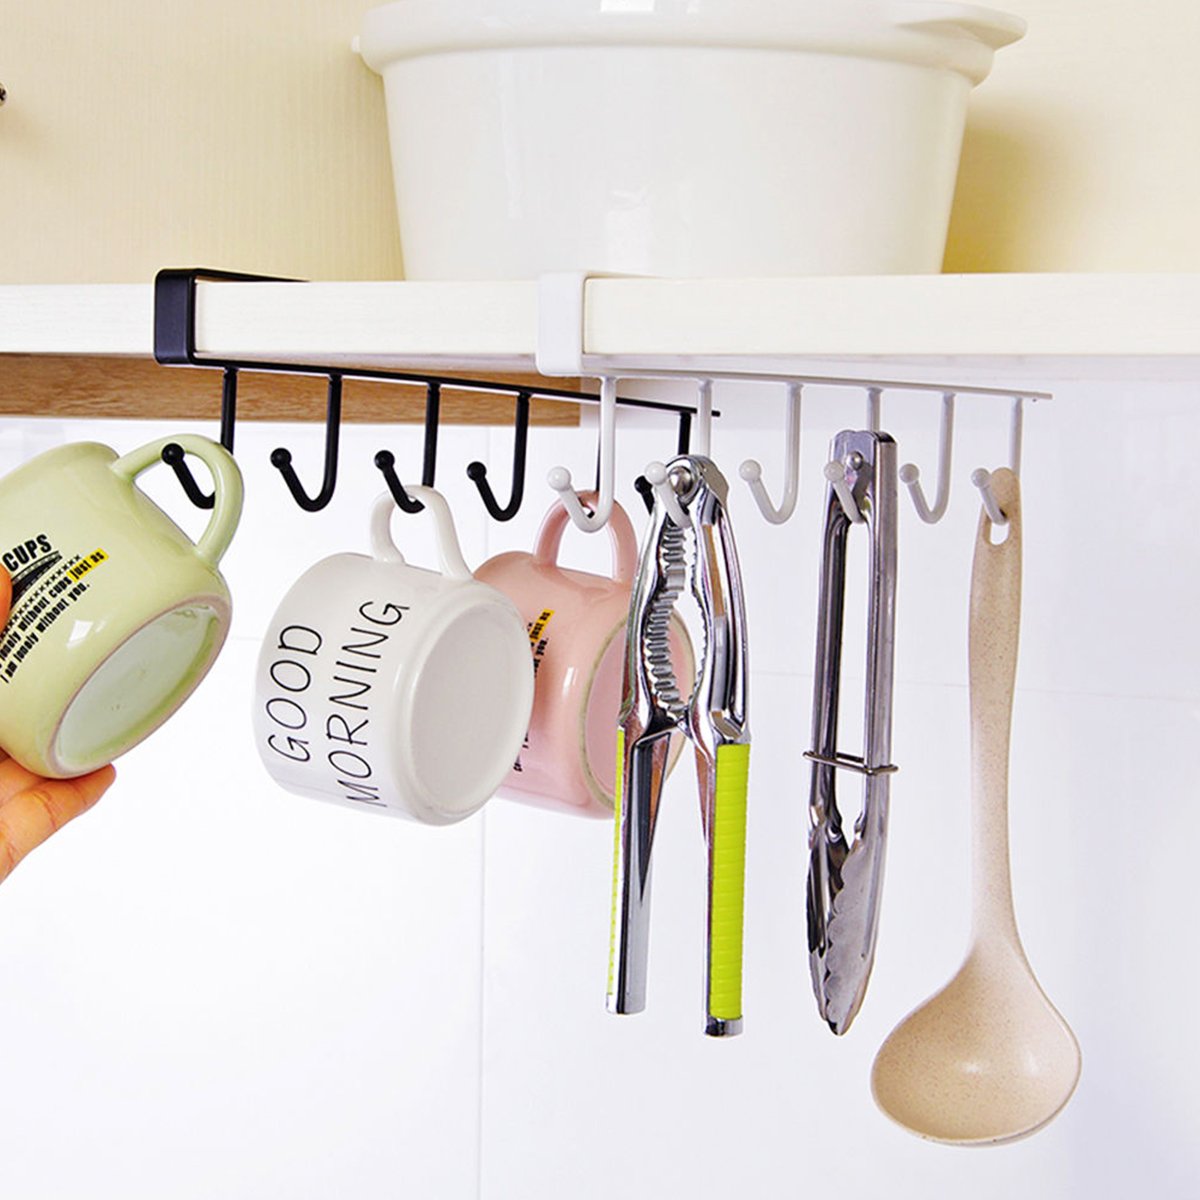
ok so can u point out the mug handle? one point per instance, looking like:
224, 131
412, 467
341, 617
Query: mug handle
227, 482
382, 547
620, 531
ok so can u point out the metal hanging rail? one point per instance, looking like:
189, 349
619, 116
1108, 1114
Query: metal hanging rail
561, 347
175, 345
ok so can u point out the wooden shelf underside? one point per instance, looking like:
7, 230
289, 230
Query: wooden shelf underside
54, 385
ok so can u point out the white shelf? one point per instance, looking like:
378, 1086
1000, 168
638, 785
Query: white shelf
1002, 329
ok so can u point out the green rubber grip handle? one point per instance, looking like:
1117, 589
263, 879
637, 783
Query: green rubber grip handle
727, 901
616, 878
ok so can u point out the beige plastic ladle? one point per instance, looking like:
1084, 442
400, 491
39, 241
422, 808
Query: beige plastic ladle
987, 1059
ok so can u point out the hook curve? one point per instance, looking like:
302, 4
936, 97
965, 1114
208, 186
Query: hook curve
683, 445
910, 473
173, 456
281, 459
560, 478
477, 471
751, 469
835, 474
660, 484
385, 460
173, 452
982, 478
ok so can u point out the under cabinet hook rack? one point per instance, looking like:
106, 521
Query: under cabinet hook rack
910, 475
175, 303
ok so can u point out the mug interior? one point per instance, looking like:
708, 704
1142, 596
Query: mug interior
137, 687
470, 709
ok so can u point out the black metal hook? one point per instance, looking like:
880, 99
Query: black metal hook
282, 459
646, 491
173, 453
385, 460
477, 472
642, 484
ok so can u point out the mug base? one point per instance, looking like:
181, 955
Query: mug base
138, 686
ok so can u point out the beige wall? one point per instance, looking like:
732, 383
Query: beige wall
245, 134
231, 133
1083, 150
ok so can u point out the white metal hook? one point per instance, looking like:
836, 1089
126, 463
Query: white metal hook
874, 405
982, 478
657, 477
751, 469
656, 474
560, 478
910, 473
835, 472
702, 431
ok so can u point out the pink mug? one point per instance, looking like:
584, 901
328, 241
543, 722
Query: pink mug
576, 624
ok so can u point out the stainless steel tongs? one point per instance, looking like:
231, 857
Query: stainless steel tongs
845, 878
711, 712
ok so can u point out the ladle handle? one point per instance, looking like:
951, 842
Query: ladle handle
995, 622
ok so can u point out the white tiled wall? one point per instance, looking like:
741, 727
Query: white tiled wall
213, 989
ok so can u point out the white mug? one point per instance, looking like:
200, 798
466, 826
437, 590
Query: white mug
386, 686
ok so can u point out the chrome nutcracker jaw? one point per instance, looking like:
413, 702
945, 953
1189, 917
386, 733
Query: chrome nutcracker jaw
710, 710
845, 877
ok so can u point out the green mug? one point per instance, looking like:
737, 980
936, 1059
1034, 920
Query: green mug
116, 614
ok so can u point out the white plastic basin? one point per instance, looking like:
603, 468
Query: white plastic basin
677, 137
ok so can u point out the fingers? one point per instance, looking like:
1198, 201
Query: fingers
32, 808
14, 778
31, 814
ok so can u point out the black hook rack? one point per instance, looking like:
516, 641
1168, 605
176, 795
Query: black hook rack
175, 345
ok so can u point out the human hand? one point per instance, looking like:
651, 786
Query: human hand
32, 808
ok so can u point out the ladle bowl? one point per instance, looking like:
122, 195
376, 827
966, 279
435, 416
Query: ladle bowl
987, 1059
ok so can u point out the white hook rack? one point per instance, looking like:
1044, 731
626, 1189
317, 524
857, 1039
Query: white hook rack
751, 469
560, 351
